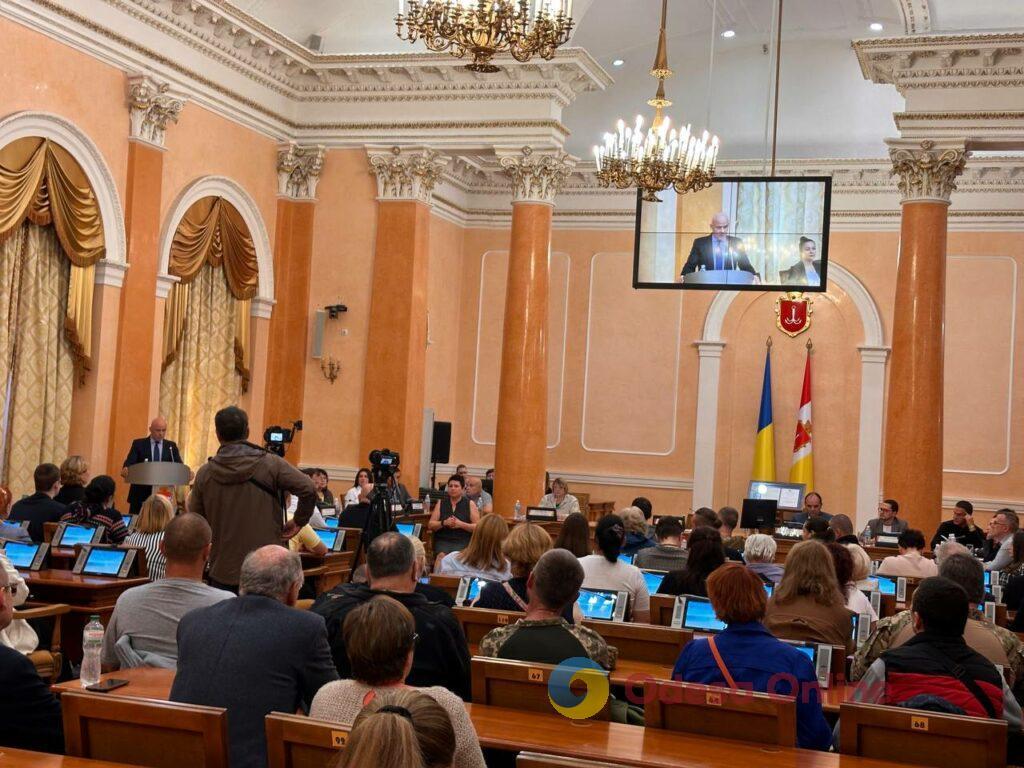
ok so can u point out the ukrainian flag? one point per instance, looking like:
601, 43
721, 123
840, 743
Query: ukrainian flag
764, 443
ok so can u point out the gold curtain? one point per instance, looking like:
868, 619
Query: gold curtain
43, 372
212, 232
40, 182
201, 379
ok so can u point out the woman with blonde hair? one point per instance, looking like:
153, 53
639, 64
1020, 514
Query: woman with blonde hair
560, 498
154, 515
809, 604
74, 474
482, 557
400, 729
636, 531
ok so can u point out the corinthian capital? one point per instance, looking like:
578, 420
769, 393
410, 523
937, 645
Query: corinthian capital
152, 106
926, 171
406, 174
298, 170
536, 178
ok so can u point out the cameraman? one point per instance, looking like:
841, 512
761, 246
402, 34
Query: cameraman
240, 492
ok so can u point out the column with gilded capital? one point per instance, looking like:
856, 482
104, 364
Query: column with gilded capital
394, 384
152, 107
298, 173
520, 450
926, 173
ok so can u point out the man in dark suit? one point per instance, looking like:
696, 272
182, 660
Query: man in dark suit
40, 507
719, 250
807, 271
29, 712
153, 448
886, 523
254, 654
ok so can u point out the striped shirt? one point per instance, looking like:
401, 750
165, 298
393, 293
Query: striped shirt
154, 557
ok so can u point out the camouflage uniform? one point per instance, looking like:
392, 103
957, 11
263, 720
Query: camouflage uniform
888, 629
597, 649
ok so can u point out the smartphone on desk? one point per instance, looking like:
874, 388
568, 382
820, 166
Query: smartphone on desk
105, 686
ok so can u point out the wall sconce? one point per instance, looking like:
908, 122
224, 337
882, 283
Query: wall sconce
330, 368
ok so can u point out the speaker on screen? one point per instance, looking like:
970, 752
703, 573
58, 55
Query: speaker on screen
441, 443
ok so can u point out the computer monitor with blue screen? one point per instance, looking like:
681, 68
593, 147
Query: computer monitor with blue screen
469, 589
602, 604
474, 589
22, 554
72, 534
405, 529
806, 650
104, 562
12, 524
699, 616
331, 522
769, 588
627, 559
886, 584
328, 537
654, 579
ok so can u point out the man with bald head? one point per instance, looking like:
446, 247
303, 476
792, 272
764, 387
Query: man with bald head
154, 447
719, 250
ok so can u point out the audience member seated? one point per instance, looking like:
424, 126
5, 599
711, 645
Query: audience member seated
909, 562
98, 509
759, 554
475, 492
323, 493
18, 634
818, 528
842, 527
10, 532
306, 540
747, 657
961, 528
523, 548
636, 531
997, 644
394, 489
705, 556
29, 712
560, 499
808, 603
40, 507
705, 516
861, 567
143, 630
400, 729
575, 535
544, 636
380, 639
363, 477
730, 518
441, 656
74, 474
354, 515
482, 557
1016, 565
668, 554
644, 505
154, 515
452, 519
812, 509
886, 522
606, 571
429, 591
937, 663
254, 654
856, 601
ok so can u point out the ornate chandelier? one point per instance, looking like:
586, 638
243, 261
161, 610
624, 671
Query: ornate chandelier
523, 28
662, 157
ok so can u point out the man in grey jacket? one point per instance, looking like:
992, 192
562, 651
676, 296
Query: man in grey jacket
240, 492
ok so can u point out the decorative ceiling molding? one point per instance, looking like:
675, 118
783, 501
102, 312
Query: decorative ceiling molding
917, 16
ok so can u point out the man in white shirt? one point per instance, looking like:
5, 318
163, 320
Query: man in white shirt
143, 628
1004, 524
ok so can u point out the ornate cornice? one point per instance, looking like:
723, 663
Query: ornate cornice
405, 174
925, 171
152, 105
917, 17
536, 177
298, 170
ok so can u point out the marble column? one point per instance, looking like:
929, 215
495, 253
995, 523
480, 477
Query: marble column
520, 450
926, 174
395, 380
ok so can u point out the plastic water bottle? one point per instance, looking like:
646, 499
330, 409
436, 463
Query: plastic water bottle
92, 643
519, 510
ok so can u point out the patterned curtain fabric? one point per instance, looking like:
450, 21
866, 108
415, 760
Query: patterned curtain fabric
212, 233
201, 378
40, 364
779, 248
40, 182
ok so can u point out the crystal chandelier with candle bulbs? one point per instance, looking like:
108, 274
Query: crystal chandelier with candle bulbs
662, 157
484, 28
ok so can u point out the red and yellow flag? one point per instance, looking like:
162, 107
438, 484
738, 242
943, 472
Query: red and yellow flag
802, 470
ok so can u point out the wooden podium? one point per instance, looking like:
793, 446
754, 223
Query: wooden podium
710, 277
163, 476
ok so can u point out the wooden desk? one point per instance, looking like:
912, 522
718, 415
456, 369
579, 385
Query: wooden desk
19, 758
143, 683
598, 509
328, 571
87, 595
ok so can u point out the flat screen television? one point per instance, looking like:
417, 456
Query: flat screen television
744, 233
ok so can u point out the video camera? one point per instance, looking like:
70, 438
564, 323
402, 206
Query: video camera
276, 438
383, 463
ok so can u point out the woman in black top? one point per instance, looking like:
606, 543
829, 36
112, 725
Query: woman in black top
452, 519
575, 535
98, 509
523, 547
705, 555
74, 474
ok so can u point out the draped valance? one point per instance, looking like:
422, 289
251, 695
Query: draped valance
212, 232
40, 182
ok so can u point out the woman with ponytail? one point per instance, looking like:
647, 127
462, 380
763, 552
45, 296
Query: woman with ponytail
400, 728
605, 570
98, 509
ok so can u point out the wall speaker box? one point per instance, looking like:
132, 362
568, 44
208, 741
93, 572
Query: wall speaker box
441, 444
319, 321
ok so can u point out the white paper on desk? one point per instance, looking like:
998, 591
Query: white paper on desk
789, 498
